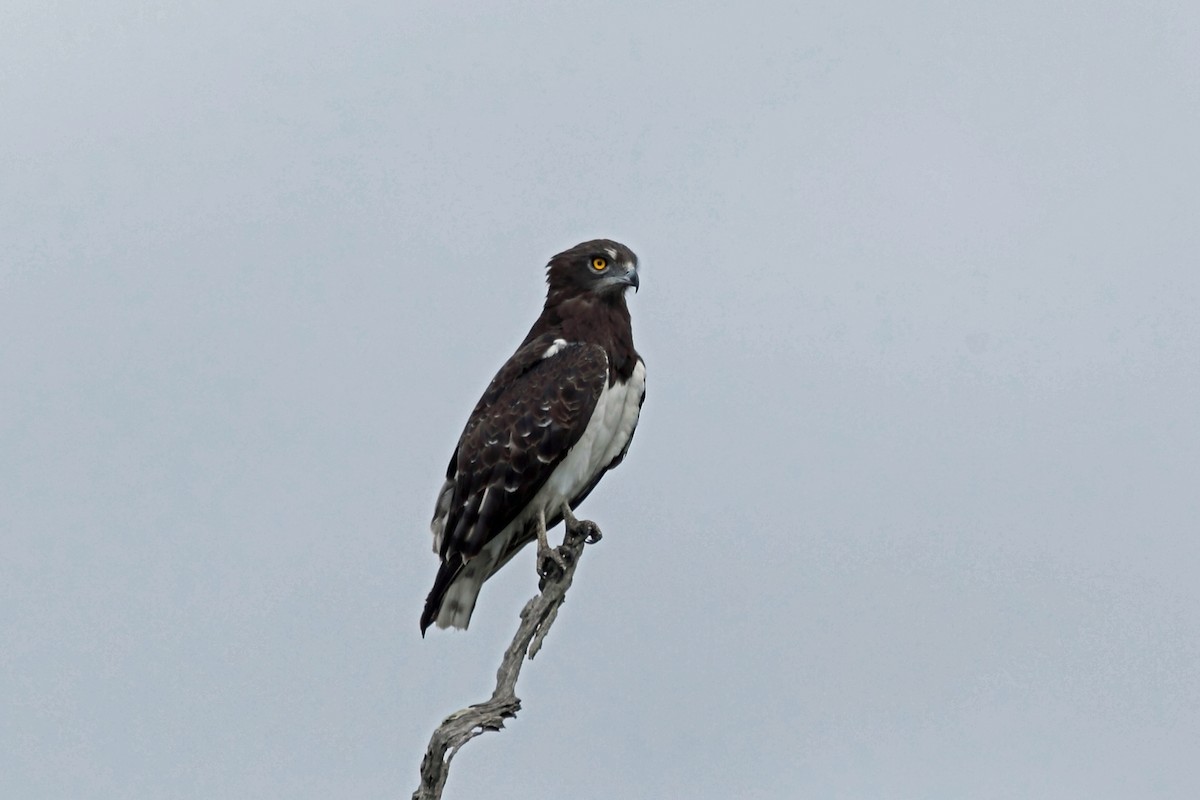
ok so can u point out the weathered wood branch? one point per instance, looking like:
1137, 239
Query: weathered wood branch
536, 618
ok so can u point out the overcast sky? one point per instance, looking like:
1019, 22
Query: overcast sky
912, 509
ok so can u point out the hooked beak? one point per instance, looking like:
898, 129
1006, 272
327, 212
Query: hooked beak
620, 280
631, 278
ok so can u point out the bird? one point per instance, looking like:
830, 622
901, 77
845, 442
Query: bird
556, 417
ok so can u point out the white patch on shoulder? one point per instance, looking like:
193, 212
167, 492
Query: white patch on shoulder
555, 347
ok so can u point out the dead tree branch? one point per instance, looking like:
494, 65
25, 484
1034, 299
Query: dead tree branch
536, 618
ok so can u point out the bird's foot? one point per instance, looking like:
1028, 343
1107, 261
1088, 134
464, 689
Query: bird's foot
552, 561
589, 530
552, 564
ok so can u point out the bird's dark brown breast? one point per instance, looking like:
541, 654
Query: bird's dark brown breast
594, 320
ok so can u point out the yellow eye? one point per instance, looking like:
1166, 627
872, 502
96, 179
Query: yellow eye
599, 264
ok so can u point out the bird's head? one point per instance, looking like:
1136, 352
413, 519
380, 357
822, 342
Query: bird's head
601, 266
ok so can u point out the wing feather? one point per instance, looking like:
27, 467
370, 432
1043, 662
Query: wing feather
533, 412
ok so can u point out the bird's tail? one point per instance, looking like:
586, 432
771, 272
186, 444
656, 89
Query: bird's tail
454, 592
457, 585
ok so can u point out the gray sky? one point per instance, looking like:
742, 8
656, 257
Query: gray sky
912, 508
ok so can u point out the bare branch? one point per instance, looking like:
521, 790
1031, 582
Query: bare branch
536, 618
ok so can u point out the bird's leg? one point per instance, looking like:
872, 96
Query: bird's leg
588, 529
548, 558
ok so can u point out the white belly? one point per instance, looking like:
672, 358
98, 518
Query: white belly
606, 435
